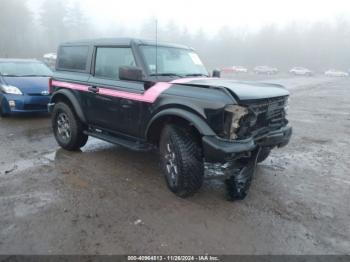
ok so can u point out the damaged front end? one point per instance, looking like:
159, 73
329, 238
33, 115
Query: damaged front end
237, 174
241, 176
249, 128
233, 116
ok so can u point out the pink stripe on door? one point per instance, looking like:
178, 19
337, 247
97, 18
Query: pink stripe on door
70, 85
149, 96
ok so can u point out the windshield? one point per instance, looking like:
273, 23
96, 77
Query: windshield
172, 61
24, 69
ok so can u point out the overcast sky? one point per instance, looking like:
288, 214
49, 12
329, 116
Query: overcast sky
210, 15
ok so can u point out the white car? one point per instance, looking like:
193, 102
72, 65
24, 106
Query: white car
301, 71
235, 69
267, 70
50, 59
241, 69
338, 73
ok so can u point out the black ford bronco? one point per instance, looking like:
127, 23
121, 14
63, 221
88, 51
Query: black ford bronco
145, 95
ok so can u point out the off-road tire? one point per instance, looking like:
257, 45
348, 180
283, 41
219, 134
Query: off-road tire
77, 138
264, 153
188, 160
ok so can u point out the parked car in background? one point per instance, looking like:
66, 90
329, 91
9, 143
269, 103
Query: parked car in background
24, 86
235, 69
336, 73
301, 71
50, 60
267, 70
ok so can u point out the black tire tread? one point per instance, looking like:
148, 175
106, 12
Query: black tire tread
189, 160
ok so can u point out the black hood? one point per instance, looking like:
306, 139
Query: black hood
243, 90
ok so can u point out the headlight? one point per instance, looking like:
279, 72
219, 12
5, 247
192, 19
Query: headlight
233, 114
11, 90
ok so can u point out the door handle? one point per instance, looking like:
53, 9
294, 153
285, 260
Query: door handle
93, 89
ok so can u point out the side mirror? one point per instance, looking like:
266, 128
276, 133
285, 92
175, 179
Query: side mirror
216, 73
130, 73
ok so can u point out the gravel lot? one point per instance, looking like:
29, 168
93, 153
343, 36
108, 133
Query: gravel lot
108, 200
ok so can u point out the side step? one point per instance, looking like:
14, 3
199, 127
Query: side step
128, 143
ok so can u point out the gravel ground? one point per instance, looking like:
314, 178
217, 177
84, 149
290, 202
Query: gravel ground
109, 200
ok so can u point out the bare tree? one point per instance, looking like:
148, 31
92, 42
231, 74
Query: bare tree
16, 24
53, 20
319, 45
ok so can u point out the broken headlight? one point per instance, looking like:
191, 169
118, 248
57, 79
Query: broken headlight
233, 115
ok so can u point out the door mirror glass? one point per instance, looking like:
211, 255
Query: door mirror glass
130, 73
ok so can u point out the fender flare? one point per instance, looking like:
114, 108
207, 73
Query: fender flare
202, 127
72, 99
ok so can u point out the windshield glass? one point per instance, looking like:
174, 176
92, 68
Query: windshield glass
24, 69
172, 61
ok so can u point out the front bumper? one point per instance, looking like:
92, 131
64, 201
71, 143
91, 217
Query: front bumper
25, 103
220, 150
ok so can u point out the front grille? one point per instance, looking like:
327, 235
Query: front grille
34, 107
264, 116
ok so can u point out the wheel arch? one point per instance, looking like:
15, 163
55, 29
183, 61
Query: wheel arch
178, 117
68, 97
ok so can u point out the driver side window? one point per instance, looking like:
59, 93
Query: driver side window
109, 59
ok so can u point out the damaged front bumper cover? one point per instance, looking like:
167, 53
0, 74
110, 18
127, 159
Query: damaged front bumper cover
236, 160
221, 150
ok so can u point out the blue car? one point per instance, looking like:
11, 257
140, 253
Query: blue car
24, 86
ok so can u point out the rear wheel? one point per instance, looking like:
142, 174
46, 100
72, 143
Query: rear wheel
67, 127
181, 161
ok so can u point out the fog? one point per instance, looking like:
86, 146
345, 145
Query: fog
284, 34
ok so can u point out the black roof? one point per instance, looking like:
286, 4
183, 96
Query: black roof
122, 41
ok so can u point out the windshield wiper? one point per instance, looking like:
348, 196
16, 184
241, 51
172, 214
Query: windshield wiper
166, 74
197, 74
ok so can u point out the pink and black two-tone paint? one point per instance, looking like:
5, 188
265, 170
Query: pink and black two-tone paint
148, 96
125, 109
114, 90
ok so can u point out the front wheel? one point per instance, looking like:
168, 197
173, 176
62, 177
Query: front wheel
67, 128
181, 161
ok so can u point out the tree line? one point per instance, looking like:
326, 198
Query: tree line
319, 46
